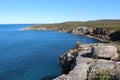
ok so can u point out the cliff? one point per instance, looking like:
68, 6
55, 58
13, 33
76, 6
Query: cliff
89, 61
84, 62
101, 33
103, 29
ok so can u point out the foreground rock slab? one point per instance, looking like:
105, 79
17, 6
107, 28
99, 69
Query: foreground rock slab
86, 65
105, 52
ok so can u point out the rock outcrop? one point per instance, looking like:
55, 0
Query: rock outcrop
67, 60
115, 36
85, 65
102, 33
105, 52
81, 30
95, 32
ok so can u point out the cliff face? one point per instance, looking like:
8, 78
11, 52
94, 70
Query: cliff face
102, 33
95, 32
115, 36
84, 66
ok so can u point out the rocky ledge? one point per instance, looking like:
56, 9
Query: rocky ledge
99, 33
90, 62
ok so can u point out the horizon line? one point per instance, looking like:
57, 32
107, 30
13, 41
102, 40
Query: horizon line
62, 21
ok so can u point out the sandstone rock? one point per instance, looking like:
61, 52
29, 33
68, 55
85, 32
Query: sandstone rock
105, 52
102, 64
86, 65
115, 36
62, 77
105, 67
79, 72
66, 60
80, 30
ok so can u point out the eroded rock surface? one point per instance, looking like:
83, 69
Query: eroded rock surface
105, 52
86, 65
101, 33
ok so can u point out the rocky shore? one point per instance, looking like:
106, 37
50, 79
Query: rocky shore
89, 61
98, 33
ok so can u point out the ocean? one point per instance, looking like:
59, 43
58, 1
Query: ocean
33, 55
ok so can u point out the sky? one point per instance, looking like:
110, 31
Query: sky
55, 11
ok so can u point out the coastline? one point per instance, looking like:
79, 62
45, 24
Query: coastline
83, 64
43, 29
76, 59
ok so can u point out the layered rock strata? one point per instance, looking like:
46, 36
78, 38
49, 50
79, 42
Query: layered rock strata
86, 65
101, 33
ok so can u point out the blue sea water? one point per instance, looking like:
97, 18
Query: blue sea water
33, 55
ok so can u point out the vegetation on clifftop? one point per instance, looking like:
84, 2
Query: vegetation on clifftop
109, 24
104, 75
101, 75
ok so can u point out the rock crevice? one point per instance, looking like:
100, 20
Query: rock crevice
87, 65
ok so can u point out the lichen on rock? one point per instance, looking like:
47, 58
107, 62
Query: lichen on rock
86, 66
105, 52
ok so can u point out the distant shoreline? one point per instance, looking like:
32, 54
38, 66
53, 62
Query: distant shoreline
100, 39
99, 29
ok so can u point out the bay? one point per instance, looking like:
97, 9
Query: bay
33, 55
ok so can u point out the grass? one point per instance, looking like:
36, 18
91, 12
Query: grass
108, 24
117, 44
102, 75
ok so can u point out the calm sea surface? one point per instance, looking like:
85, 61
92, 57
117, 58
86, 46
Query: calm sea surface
33, 55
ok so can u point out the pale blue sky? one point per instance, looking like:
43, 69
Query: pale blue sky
52, 11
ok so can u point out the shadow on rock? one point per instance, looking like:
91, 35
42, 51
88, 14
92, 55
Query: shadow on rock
115, 36
88, 55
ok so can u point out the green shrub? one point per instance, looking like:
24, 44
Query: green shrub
117, 71
78, 44
102, 75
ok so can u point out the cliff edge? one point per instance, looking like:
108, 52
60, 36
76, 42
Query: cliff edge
90, 62
103, 29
